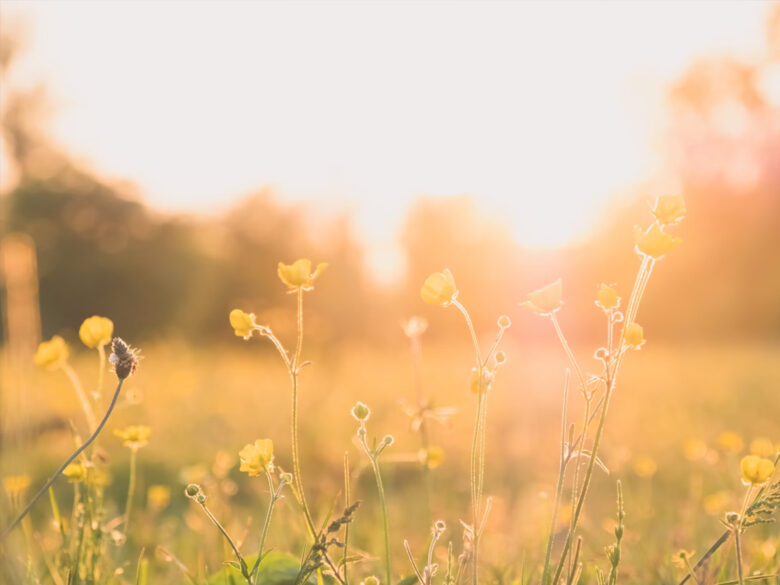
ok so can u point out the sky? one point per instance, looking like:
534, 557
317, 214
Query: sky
542, 111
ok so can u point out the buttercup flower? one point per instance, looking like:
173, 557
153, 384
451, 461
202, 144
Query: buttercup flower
546, 300
439, 288
242, 323
730, 441
756, 470
75, 472
158, 496
134, 436
654, 242
645, 466
16, 485
763, 447
634, 335
51, 354
431, 457
96, 331
669, 209
607, 297
299, 275
695, 449
257, 457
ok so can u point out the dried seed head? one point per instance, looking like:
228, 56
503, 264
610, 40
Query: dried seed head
123, 357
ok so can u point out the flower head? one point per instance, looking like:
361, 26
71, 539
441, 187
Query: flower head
645, 466
730, 441
158, 496
756, 470
123, 357
439, 289
414, 327
257, 457
669, 209
96, 331
16, 485
51, 354
635, 335
654, 242
298, 275
134, 436
431, 457
75, 472
546, 300
762, 447
242, 323
607, 297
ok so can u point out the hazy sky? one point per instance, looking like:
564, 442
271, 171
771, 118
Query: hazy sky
542, 111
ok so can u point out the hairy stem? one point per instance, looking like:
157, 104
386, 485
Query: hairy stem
85, 403
130, 487
385, 519
69, 460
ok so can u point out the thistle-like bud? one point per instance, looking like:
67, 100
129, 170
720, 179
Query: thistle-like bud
123, 357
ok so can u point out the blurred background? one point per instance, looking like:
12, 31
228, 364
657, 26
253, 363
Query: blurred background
159, 159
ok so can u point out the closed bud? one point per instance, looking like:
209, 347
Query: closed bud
192, 490
361, 412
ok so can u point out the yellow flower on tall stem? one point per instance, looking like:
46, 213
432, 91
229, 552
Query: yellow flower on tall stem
242, 323
546, 300
756, 470
96, 331
669, 209
439, 289
257, 457
654, 242
298, 275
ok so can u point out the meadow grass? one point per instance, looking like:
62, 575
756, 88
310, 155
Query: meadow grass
245, 463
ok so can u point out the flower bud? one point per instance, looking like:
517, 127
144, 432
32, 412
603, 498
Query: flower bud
439, 289
192, 490
504, 322
607, 297
669, 209
123, 357
387, 440
361, 412
634, 335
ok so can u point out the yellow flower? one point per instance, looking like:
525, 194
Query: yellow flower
683, 558
669, 209
730, 441
96, 331
16, 485
546, 300
607, 297
715, 504
645, 466
51, 354
414, 327
635, 335
75, 472
763, 447
242, 323
370, 581
695, 449
756, 470
654, 241
134, 436
439, 288
299, 275
431, 457
158, 496
256, 457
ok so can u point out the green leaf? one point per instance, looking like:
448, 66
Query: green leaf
410, 580
276, 568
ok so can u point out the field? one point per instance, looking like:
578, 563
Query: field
670, 409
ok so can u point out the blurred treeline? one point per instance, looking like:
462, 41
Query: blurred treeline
100, 250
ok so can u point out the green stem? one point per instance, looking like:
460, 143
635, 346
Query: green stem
347, 504
385, 519
130, 487
266, 524
477, 446
639, 284
295, 455
101, 370
85, 403
559, 486
241, 561
69, 460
